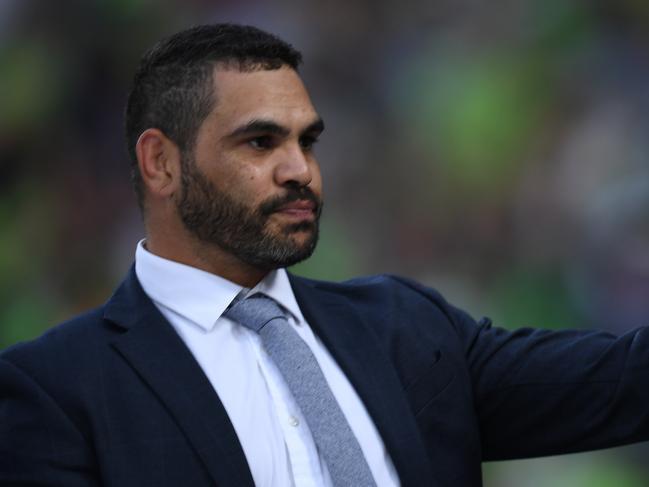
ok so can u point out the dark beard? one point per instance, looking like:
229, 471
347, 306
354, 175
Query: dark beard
215, 217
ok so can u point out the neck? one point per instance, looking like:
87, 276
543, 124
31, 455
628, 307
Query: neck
204, 256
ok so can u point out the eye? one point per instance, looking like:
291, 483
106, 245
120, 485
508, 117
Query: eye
307, 142
262, 142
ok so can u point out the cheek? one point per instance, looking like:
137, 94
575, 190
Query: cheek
239, 177
249, 186
253, 181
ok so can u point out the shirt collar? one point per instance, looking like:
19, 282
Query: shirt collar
200, 296
277, 286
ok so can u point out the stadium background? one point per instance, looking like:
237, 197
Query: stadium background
496, 151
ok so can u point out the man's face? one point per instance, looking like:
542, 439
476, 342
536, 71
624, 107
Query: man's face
252, 186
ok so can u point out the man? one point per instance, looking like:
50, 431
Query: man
165, 384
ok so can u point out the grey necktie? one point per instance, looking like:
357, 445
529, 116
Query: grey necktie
331, 432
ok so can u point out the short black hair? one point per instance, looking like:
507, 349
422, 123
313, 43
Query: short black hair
172, 88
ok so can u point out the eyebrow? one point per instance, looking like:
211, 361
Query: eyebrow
270, 127
315, 128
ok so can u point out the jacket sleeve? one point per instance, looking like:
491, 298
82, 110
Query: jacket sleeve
39, 444
540, 392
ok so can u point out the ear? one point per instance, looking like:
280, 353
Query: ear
158, 158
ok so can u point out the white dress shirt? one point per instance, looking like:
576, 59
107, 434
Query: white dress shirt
273, 433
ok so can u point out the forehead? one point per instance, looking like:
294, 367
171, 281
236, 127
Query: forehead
278, 95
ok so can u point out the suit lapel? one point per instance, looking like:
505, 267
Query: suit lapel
352, 343
154, 350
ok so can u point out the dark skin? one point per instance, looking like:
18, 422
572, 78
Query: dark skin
257, 142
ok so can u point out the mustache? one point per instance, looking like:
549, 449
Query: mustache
293, 194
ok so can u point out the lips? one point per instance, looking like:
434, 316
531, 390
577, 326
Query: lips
299, 208
299, 205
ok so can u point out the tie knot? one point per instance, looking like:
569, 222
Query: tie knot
254, 312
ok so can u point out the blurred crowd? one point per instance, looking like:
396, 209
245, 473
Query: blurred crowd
495, 151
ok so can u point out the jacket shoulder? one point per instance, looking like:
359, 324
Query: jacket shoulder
60, 342
384, 287
402, 302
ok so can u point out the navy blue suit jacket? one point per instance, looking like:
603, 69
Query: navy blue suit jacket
114, 398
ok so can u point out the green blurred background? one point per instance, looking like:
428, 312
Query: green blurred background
497, 151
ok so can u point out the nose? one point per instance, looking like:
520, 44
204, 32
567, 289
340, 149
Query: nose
294, 168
